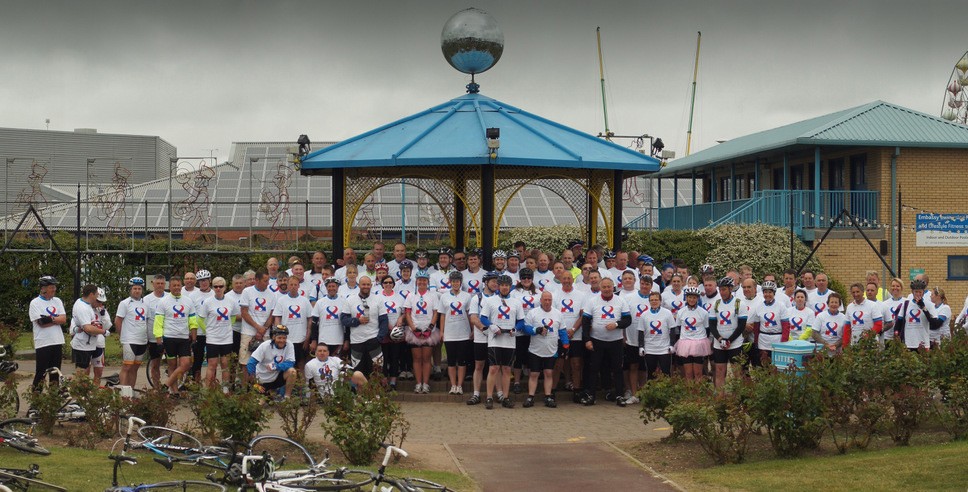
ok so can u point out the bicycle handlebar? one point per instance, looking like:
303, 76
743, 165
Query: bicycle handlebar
391, 449
134, 420
121, 458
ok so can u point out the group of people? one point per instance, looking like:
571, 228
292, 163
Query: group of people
583, 320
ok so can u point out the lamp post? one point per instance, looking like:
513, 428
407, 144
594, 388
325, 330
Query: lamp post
252, 161
6, 197
87, 199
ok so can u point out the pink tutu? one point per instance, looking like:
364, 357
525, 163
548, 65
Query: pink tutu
424, 338
693, 348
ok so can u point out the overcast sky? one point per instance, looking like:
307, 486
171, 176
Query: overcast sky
203, 74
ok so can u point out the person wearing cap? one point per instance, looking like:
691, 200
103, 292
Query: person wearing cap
131, 321
547, 339
499, 259
769, 320
399, 254
455, 331
639, 305
647, 267
107, 323
421, 312
85, 327
477, 302
199, 296
514, 264
272, 363
527, 294
693, 346
47, 317
727, 330
604, 319
394, 342
326, 328
576, 246
502, 316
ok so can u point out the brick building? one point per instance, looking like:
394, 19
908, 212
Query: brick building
887, 165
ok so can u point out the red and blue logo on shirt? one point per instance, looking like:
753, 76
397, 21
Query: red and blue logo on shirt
294, 312
178, 311
567, 305
655, 327
139, 314
455, 308
608, 312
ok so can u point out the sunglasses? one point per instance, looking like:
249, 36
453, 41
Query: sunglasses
218, 286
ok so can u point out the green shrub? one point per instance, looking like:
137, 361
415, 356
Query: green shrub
693, 247
46, 402
298, 412
765, 248
153, 406
102, 406
790, 407
720, 421
358, 422
240, 415
952, 411
8, 397
656, 397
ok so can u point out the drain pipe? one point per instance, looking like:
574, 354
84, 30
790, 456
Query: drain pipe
894, 205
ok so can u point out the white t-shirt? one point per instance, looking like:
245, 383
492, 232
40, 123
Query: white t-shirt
104, 316
771, 318
672, 301
404, 289
328, 309
569, 304
818, 301
440, 281
503, 313
309, 290
543, 279
235, 297
176, 313
151, 302
453, 311
693, 323
830, 326
268, 356
656, 325
295, 313
891, 310
51, 335
727, 321
274, 285
603, 313
545, 345
134, 321
707, 303
218, 315
477, 308
528, 302
370, 308
616, 274
259, 304
917, 329
862, 317
393, 305
473, 282
800, 320
82, 314
942, 312
421, 306
323, 373
638, 306
345, 291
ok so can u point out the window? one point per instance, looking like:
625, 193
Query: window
835, 174
858, 172
725, 190
778, 183
958, 268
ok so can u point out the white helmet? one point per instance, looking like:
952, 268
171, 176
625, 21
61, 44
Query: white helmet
397, 333
203, 274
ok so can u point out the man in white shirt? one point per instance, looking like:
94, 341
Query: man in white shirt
48, 316
85, 327
368, 323
255, 305
217, 316
604, 318
272, 363
399, 254
502, 316
131, 321
324, 371
176, 326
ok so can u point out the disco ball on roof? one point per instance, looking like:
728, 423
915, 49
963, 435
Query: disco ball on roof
471, 41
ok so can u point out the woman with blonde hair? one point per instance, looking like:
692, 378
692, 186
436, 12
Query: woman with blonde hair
942, 311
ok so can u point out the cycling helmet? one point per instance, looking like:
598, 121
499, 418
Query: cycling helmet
445, 251
609, 254
726, 282
769, 285
707, 268
646, 260
691, 291
526, 273
203, 275
504, 280
332, 280
406, 265
514, 254
397, 333
491, 275
499, 253
456, 275
382, 266
136, 281
420, 253
279, 330
423, 274
646, 278
918, 284
47, 280
101, 296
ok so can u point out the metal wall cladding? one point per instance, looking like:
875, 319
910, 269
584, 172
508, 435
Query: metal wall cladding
62, 157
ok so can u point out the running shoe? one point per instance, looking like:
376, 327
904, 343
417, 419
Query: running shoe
474, 400
550, 402
528, 402
507, 403
489, 403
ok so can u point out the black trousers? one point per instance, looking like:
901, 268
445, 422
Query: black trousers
198, 353
47, 357
606, 354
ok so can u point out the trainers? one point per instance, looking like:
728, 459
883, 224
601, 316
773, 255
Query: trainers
516, 388
426, 388
587, 400
569, 386
507, 403
528, 402
550, 402
577, 396
453, 390
500, 398
474, 400
632, 400
460, 390
627, 395
417, 388
489, 403
620, 401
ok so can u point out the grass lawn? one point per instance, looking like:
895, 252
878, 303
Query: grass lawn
926, 467
79, 469
112, 349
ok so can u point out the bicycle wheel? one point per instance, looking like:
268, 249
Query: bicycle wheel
419, 484
168, 439
151, 382
18, 434
286, 453
344, 480
184, 485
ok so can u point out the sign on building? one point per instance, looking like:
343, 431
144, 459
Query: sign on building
942, 229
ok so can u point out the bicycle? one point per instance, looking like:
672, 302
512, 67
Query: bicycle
122, 458
70, 411
18, 434
381, 482
21, 479
9, 366
174, 446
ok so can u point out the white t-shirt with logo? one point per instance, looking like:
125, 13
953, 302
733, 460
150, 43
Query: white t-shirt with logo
672, 301
831, 326
545, 345
324, 373
51, 335
569, 304
176, 312
771, 317
727, 316
269, 355
422, 306
295, 313
453, 311
862, 317
259, 304
477, 308
328, 309
638, 306
603, 313
393, 305
473, 282
693, 323
217, 314
656, 325
800, 320
503, 313
358, 307
82, 314
134, 321
543, 279
151, 302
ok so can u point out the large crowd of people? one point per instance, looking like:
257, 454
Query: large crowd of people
590, 321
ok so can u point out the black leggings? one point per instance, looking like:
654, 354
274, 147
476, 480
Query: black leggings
198, 353
606, 354
391, 358
661, 362
47, 357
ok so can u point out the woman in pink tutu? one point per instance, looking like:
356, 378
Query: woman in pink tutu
421, 312
693, 346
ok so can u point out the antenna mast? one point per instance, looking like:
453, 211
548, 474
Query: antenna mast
601, 73
692, 104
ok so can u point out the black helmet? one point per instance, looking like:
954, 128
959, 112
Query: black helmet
526, 273
918, 284
279, 330
504, 280
726, 282
491, 275
47, 280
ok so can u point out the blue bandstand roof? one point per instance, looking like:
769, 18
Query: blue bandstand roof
453, 133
